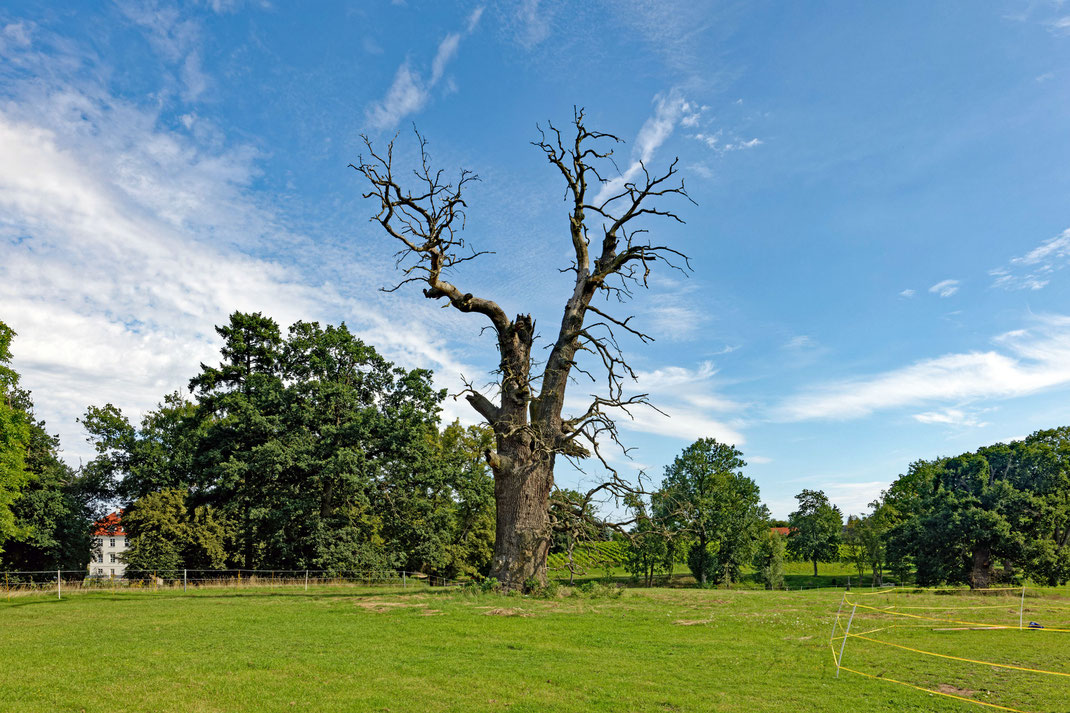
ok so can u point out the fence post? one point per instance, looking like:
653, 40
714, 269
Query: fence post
59, 585
306, 580
845, 635
836, 623
1021, 610
404, 580
183, 580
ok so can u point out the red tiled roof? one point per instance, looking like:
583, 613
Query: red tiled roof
109, 525
785, 531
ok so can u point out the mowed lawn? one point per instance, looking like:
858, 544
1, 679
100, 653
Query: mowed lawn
379, 649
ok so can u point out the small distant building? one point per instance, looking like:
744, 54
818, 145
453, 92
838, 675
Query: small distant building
785, 531
109, 542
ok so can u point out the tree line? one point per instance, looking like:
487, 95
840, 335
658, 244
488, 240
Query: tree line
310, 450
303, 450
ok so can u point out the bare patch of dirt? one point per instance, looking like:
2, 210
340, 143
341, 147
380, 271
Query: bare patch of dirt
507, 612
691, 622
954, 690
380, 607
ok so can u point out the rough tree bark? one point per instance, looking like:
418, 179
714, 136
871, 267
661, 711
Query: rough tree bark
527, 416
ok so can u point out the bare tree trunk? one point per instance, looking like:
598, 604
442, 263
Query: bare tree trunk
522, 534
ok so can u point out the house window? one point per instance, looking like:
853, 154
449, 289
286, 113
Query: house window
100, 558
112, 542
113, 558
113, 571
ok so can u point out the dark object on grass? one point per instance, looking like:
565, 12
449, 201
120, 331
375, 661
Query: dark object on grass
1034, 625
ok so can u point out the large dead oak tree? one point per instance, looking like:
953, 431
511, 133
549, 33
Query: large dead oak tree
612, 255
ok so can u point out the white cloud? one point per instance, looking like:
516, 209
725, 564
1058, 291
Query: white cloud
908, 293
716, 142
1060, 25
177, 39
446, 50
407, 95
473, 19
1030, 360
533, 18
800, 342
945, 288
687, 399
1033, 270
950, 417
409, 92
668, 110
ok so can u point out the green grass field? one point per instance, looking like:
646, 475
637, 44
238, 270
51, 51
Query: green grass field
385, 649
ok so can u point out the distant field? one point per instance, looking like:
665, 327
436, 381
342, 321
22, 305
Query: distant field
381, 649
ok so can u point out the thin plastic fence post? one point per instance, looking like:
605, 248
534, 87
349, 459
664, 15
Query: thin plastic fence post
59, 586
404, 580
845, 635
1021, 610
306, 580
836, 623
183, 580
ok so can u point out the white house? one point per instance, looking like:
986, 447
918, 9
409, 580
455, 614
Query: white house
109, 541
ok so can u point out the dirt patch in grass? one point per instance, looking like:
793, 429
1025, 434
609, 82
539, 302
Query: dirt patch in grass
954, 690
380, 607
499, 611
691, 622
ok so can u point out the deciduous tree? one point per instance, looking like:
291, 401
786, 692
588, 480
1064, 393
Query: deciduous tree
815, 528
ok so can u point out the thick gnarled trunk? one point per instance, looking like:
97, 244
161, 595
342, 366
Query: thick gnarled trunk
522, 535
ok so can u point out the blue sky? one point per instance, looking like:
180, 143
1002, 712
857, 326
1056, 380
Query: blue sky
879, 241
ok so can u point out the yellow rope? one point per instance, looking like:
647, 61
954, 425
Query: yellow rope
935, 693
959, 658
949, 621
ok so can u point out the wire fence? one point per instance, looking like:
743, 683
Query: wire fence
60, 582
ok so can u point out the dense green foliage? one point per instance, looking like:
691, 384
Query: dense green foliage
45, 506
303, 451
953, 520
769, 559
706, 496
815, 528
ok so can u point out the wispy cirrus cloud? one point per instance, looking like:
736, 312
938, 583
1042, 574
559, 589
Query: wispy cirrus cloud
950, 417
945, 288
1026, 361
410, 91
1033, 270
669, 109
